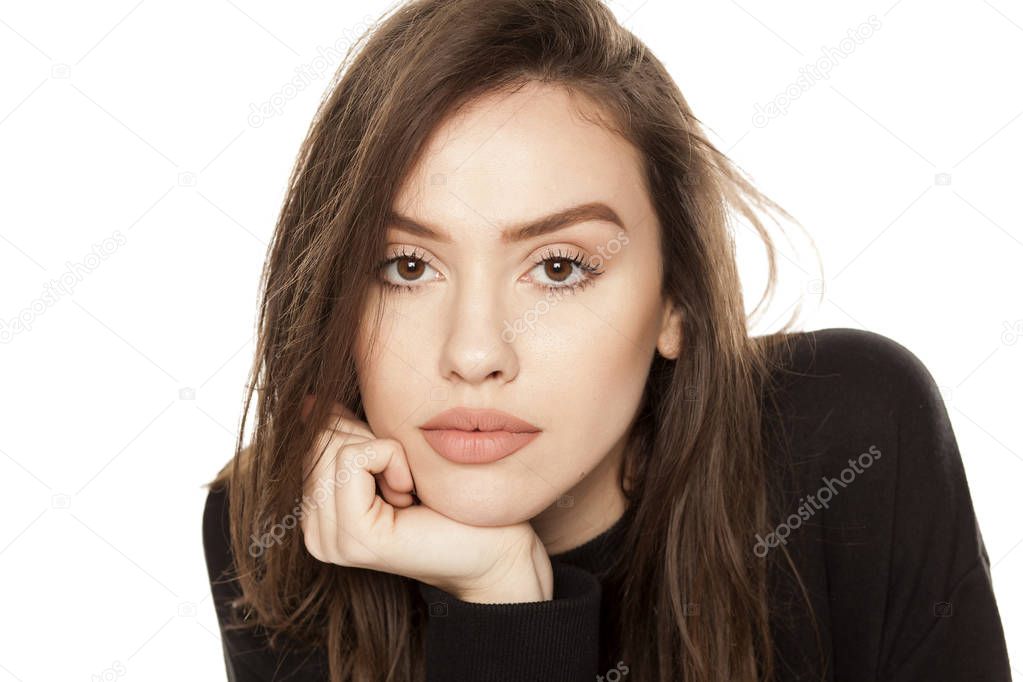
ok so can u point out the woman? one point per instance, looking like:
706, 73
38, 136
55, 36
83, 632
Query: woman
510, 424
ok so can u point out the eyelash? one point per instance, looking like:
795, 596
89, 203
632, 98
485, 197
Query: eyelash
590, 272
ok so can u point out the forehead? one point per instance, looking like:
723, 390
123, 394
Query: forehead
507, 157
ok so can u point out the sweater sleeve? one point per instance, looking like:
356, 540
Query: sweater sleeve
546, 640
877, 514
247, 658
942, 620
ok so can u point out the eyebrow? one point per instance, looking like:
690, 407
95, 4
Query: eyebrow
534, 228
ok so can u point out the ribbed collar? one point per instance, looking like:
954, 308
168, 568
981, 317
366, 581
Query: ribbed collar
598, 554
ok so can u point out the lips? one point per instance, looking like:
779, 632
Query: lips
477, 436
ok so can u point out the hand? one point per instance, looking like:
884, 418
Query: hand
351, 525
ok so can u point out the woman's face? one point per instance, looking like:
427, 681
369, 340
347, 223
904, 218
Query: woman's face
488, 324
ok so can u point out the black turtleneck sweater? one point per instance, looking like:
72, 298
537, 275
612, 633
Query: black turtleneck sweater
869, 488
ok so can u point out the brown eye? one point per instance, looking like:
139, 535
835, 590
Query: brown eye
558, 269
403, 271
410, 269
569, 271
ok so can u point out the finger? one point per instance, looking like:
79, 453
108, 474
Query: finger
333, 530
397, 473
394, 497
326, 446
319, 461
358, 510
355, 471
354, 474
318, 522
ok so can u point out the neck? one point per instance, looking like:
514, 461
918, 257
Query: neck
588, 509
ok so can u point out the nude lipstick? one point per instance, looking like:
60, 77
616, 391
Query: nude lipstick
477, 436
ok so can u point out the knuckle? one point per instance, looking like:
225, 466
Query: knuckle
356, 455
385, 448
391, 444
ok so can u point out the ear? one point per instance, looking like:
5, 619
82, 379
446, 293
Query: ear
669, 342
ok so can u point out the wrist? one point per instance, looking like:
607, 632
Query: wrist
524, 589
530, 581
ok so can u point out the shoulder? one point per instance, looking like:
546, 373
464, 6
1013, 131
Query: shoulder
216, 527
221, 568
216, 536
856, 357
247, 650
860, 413
215, 515
873, 503
859, 379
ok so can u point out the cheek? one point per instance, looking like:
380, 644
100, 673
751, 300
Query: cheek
607, 382
586, 379
592, 354
393, 378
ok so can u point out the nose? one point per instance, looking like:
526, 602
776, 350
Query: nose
476, 347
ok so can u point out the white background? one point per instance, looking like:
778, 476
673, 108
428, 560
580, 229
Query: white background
134, 119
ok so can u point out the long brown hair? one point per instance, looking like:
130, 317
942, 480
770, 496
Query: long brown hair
695, 467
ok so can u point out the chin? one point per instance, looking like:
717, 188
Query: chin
475, 499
